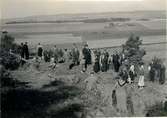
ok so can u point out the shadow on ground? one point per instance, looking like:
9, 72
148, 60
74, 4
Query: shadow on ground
159, 109
31, 103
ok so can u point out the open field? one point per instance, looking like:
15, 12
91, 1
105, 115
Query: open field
101, 30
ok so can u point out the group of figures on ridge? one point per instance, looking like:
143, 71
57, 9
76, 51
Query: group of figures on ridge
101, 61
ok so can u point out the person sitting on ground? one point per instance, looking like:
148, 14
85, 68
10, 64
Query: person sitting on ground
122, 76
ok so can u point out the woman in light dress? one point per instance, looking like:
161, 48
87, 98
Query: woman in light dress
141, 77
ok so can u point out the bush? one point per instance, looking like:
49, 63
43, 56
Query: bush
132, 50
9, 61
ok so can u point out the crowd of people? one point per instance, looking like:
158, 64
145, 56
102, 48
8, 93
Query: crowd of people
101, 61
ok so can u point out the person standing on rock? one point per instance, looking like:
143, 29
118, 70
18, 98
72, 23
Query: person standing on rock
40, 50
26, 50
141, 77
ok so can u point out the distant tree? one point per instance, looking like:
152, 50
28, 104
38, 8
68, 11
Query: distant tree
132, 50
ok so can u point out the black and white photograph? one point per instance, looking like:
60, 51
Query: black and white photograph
83, 58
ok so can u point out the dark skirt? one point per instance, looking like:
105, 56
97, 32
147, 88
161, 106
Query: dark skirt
116, 66
96, 67
152, 75
40, 52
104, 67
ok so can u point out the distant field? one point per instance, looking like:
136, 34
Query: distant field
99, 30
117, 42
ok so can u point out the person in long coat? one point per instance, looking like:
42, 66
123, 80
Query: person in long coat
162, 74
22, 53
151, 72
21, 50
96, 66
75, 55
26, 50
116, 62
39, 50
104, 62
89, 56
86, 55
106, 59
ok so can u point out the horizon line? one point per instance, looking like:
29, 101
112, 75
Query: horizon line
83, 13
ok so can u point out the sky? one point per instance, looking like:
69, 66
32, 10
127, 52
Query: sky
23, 8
